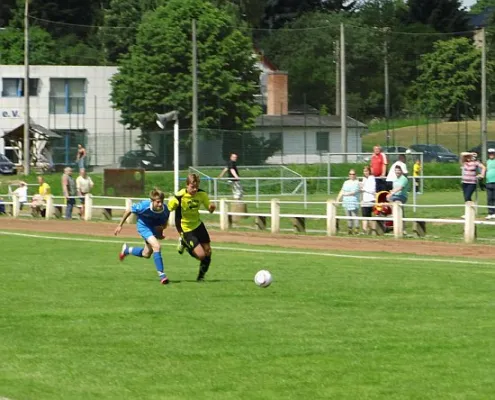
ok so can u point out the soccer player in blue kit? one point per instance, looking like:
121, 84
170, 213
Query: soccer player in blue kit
152, 218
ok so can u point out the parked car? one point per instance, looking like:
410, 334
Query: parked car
490, 144
145, 159
7, 167
435, 152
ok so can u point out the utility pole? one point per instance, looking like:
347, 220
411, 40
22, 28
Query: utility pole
484, 126
387, 89
337, 78
195, 96
27, 146
343, 100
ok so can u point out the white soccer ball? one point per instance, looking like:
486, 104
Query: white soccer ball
263, 278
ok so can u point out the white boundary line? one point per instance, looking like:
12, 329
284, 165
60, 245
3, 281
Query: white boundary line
266, 251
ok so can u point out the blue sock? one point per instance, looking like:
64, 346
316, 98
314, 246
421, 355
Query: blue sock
137, 251
157, 258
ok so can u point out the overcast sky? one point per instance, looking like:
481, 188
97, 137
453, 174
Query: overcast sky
468, 3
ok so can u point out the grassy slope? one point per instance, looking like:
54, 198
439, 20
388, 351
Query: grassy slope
457, 136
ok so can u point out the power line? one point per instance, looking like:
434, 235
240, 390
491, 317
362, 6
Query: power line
284, 29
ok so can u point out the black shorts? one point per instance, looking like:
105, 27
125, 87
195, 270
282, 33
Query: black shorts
366, 211
197, 236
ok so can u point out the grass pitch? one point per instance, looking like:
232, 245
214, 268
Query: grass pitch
77, 324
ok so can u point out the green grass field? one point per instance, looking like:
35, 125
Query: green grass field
77, 324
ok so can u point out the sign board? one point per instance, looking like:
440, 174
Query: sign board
10, 113
123, 182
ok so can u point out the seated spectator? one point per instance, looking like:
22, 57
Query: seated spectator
21, 194
38, 205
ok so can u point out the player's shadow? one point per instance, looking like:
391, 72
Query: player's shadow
206, 282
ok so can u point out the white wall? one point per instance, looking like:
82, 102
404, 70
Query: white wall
100, 119
294, 144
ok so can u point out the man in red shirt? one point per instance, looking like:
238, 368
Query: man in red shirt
379, 168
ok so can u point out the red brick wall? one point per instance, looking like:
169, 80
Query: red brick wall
277, 93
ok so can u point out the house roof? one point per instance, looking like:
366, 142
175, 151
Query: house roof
308, 120
481, 20
18, 133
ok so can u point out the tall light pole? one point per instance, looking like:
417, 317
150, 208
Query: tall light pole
195, 96
484, 123
343, 96
161, 121
26, 90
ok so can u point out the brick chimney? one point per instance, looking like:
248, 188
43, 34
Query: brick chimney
277, 93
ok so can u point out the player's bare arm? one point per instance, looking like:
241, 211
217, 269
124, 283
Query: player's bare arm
122, 221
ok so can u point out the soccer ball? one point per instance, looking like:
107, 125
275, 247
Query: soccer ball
263, 278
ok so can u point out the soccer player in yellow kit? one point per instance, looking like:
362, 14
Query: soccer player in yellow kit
194, 235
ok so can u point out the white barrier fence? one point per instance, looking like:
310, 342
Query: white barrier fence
54, 208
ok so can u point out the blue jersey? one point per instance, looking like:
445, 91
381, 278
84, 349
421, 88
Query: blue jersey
146, 217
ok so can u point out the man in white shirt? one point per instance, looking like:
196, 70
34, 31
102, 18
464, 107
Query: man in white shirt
21, 194
391, 177
84, 185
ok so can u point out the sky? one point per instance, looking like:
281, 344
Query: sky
468, 3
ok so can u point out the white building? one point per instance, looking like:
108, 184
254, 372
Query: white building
74, 102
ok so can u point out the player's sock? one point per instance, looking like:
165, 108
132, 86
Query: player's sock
135, 251
157, 258
203, 267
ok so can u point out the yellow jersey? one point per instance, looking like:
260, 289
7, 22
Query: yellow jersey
416, 169
186, 208
44, 190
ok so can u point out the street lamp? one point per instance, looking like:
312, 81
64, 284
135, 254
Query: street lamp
161, 121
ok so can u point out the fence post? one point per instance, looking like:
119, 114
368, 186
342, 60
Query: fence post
224, 215
275, 215
397, 218
16, 206
128, 206
469, 225
49, 207
331, 218
88, 207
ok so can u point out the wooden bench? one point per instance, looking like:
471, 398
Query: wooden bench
419, 227
260, 222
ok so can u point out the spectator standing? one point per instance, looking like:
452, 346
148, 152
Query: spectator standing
416, 173
401, 162
379, 168
21, 194
470, 176
69, 190
400, 187
349, 194
39, 200
490, 183
231, 168
81, 156
84, 184
368, 188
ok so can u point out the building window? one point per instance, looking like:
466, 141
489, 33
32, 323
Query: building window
14, 87
322, 141
67, 96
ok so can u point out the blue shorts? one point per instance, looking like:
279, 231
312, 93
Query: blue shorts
145, 231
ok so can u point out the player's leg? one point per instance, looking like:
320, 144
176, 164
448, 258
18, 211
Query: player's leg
153, 247
137, 251
202, 250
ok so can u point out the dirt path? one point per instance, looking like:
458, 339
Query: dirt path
348, 244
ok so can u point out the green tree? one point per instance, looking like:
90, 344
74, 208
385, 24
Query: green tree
156, 75
120, 24
42, 49
449, 76
442, 15
481, 5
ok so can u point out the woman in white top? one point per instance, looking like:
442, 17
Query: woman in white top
22, 194
368, 188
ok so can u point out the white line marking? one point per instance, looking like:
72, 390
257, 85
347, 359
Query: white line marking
266, 251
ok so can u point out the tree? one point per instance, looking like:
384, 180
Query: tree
120, 24
481, 5
449, 76
156, 75
42, 49
442, 15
